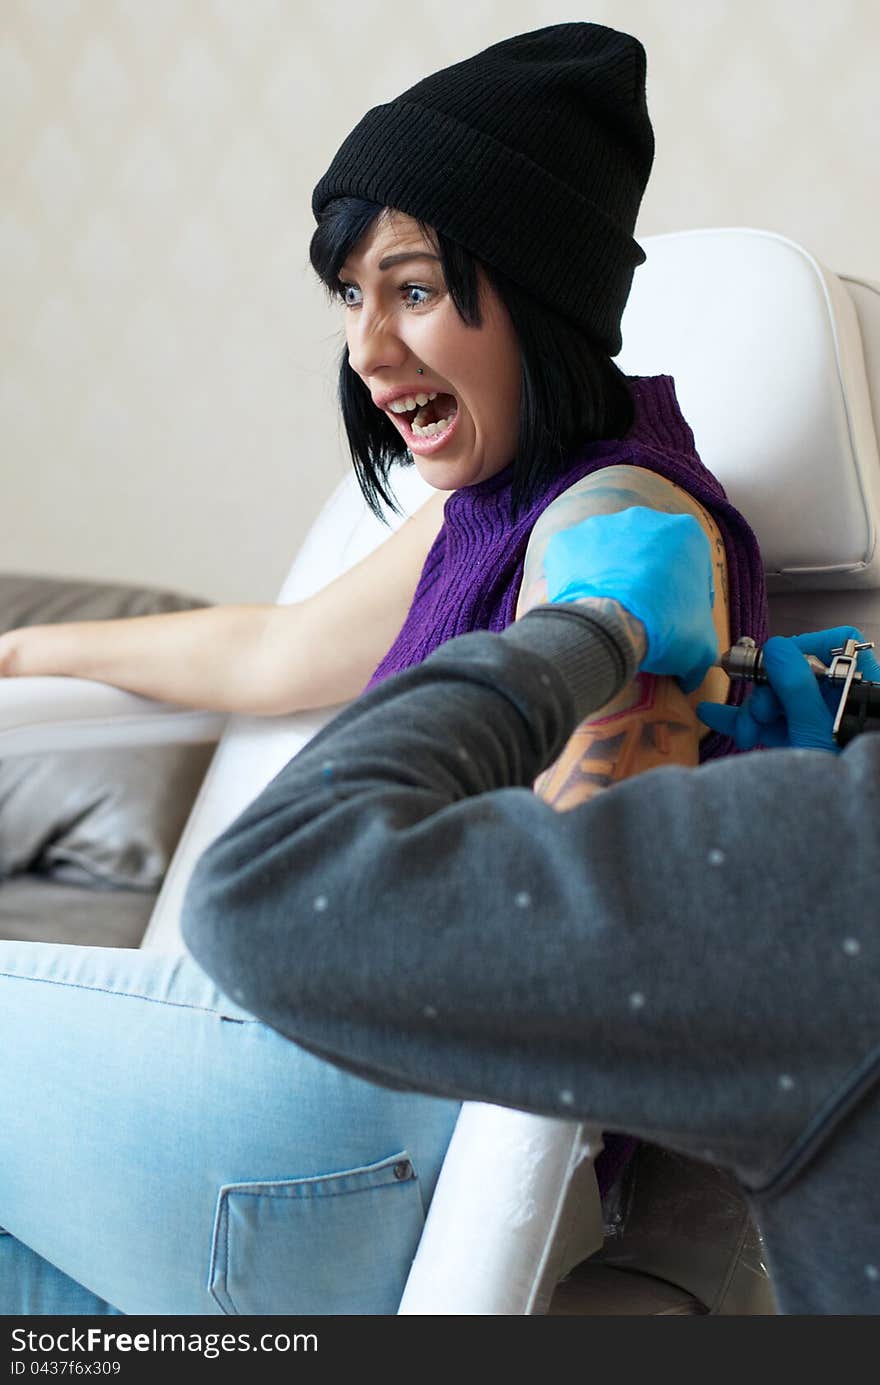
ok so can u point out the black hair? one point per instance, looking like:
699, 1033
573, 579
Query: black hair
571, 391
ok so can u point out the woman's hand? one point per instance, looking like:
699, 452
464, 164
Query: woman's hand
7, 654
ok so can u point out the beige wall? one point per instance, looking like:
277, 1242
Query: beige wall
167, 362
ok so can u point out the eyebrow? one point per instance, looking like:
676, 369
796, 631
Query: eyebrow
390, 260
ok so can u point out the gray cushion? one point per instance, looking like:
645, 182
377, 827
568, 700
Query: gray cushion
101, 818
37, 909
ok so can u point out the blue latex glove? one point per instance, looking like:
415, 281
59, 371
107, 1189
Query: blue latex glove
796, 709
656, 565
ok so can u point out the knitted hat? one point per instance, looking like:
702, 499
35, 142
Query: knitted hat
533, 155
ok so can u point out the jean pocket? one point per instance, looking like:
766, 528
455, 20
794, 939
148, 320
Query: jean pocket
339, 1243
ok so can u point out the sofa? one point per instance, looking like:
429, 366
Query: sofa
86, 835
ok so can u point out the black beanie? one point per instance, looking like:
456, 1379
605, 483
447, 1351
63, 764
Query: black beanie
533, 155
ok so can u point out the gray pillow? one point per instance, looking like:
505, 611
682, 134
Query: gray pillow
100, 818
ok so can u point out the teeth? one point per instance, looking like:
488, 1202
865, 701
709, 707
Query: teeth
432, 428
403, 406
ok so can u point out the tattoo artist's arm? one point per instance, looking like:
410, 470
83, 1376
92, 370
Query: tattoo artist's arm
399, 901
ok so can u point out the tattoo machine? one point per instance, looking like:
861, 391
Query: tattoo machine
858, 707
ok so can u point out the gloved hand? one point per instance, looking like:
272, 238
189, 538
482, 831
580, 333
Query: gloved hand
796, 708
659, 567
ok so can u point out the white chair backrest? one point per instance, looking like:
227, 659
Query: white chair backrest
776, 362
766, 350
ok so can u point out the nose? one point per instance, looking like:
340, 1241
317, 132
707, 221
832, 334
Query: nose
373, 343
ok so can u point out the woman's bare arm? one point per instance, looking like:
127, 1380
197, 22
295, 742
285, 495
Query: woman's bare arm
260, 659
651, 722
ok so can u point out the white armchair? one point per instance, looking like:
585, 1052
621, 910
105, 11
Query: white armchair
775, 359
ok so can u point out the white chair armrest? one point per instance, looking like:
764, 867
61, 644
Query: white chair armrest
504, 1252
51, 714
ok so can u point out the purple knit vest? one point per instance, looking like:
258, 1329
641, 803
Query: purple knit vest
472, 575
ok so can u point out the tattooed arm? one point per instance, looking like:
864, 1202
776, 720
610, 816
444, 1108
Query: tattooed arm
651, 722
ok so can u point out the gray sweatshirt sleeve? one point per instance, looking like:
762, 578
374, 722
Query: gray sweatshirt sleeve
399, 901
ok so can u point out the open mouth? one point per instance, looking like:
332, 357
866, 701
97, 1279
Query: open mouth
431, 419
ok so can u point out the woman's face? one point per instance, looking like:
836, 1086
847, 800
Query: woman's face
402, 317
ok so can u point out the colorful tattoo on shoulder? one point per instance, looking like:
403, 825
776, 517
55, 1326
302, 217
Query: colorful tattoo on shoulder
653, 727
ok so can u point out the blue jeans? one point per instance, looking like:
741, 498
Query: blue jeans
161, 1151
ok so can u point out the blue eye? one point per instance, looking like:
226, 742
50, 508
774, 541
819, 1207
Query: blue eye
343, 288
415, 288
